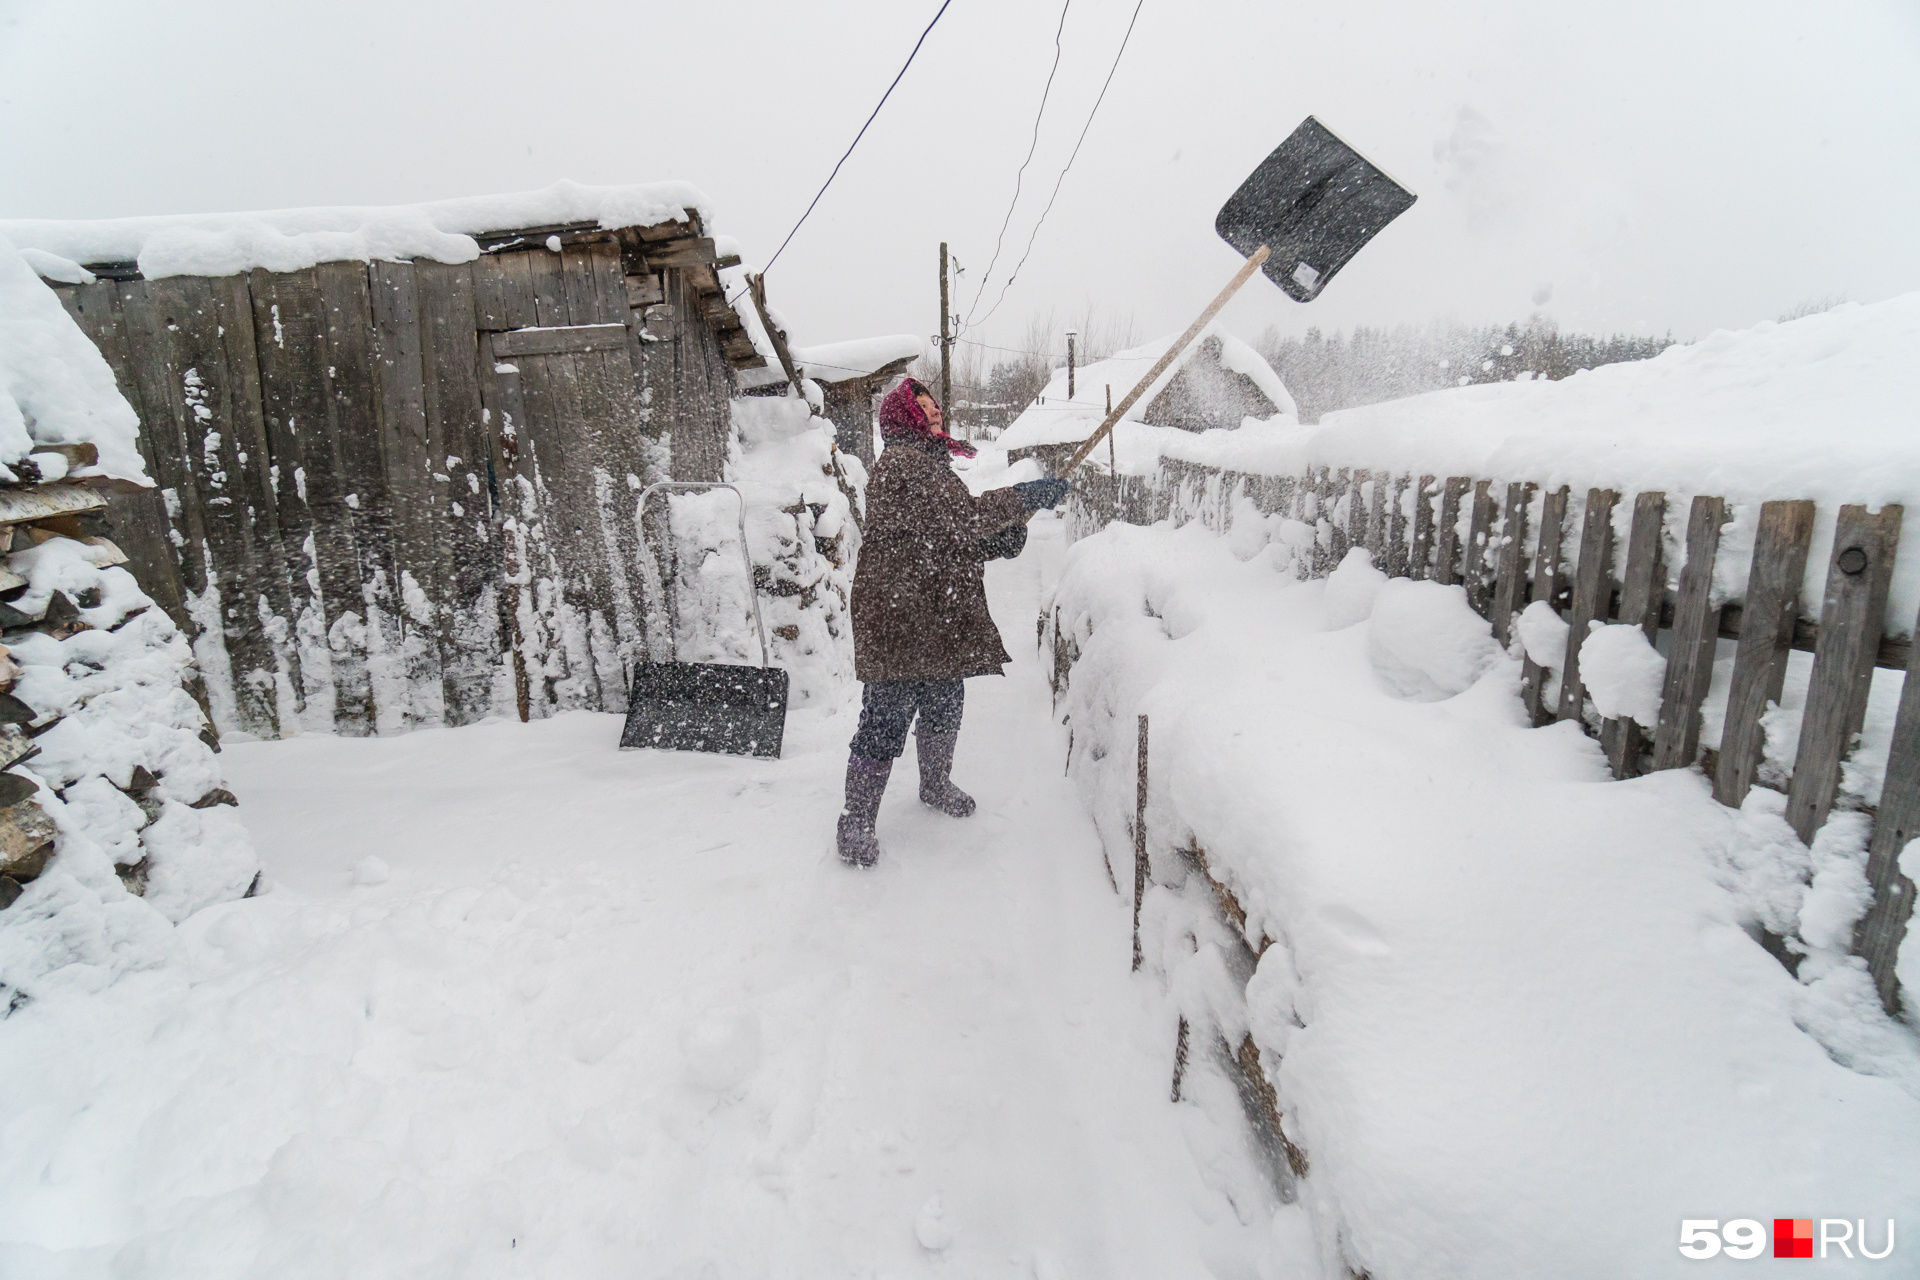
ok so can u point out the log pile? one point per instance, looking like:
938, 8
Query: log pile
110, 790
100, 738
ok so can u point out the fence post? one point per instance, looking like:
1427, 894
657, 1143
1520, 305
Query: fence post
1512, 562
1696, 632
1340, 541
1878, 935
1591, 587
1643, 587
1377, 507
1852, 617
1396, 565
1139, 839
1357, 509
1479, 529
1179, 1056
1546, 585
1447, 570
1767, 616
1323, 500
1422, 554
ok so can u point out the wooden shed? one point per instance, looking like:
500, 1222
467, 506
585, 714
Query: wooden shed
399, 451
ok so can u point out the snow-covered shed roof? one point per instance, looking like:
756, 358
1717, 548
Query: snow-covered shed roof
1216, 367
221, 244
55, 387
859, 358
836, 362
668, 223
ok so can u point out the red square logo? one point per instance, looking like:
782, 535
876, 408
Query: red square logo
1793, 1237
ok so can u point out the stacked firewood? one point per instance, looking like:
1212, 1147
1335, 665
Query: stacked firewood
106, 751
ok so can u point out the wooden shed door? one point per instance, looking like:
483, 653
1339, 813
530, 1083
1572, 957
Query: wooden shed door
575, 450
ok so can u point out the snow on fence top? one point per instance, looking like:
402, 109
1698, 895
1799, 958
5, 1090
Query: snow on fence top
1056, 419
55, 387
1825, 408
224, 244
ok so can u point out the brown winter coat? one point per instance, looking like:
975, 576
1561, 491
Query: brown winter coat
919, 593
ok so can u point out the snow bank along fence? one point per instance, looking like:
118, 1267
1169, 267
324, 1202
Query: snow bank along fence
401, 493
1514, 543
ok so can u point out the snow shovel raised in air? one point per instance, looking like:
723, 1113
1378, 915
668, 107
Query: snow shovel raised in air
1314, 203
709, 706
1302, 215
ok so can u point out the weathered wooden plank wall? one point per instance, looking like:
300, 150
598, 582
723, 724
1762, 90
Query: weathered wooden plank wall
335, 488
1848, 642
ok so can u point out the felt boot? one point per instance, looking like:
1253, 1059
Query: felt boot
866, 783
936, 770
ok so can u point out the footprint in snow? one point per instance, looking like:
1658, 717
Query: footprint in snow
495, 905
930, 1226
235, 935
722, 1048
595, 1038
554, 919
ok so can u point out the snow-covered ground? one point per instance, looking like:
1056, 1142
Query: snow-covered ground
516, 1003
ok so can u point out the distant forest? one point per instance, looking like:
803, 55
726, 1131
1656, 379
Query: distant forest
1328, 373
1323, 372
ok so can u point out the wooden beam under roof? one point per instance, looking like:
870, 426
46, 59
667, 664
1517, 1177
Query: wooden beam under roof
534, 237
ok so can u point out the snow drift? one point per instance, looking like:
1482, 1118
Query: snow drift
1491, 982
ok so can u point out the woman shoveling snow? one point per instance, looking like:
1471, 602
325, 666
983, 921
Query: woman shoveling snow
920, 620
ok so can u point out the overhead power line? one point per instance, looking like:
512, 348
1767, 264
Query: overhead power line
1020, 176
856, 138
1069, 165
1089, 360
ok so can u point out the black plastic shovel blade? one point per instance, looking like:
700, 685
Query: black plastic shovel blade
705, 706
1315, 202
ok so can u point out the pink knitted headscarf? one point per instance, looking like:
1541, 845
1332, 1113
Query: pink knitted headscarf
901, 416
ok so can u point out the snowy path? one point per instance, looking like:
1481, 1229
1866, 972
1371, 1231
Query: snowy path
625, 1014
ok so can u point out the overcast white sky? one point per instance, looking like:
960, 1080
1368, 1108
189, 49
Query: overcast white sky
1682, 165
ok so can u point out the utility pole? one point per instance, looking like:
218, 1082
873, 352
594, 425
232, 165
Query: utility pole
1071, 335
1113, 450
946, 344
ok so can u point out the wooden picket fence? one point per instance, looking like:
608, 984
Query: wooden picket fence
1504, 565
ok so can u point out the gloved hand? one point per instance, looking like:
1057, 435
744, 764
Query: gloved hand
1004, 545
1038, 494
